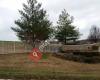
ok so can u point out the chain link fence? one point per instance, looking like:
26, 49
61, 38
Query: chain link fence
19, 47
13, 47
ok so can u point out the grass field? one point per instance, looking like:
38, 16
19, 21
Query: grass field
17, 66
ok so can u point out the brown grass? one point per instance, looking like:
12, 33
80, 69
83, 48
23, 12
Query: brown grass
22, 63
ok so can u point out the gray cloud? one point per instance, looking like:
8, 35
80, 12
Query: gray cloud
7, 18
85, 12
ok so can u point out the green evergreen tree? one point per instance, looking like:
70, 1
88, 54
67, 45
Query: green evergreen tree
33, 25
65, 30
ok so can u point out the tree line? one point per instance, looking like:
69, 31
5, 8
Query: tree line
34, 26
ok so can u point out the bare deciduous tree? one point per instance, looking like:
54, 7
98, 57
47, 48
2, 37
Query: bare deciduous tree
94, 35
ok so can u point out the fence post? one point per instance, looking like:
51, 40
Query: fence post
2, 47
14, 46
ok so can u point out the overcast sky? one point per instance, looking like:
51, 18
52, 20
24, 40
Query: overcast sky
85, 12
